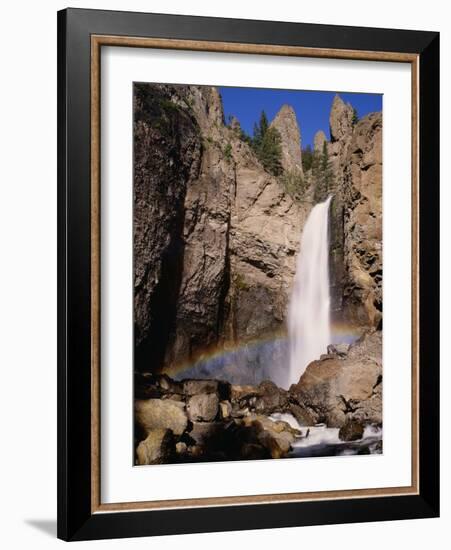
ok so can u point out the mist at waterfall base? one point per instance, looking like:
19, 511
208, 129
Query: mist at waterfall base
283, 358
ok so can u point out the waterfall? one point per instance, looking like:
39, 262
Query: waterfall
309, 309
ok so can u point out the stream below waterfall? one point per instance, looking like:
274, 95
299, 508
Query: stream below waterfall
324, 441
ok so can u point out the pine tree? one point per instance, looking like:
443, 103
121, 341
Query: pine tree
270, 151
266, 145
323, 175
307, 158
264, 125
260, 130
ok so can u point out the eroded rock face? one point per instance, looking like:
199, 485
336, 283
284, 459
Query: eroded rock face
337, 389
286, 124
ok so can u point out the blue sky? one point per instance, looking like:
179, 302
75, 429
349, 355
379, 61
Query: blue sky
312, 108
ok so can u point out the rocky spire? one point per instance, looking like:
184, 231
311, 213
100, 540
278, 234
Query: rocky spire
340, 119
286, 124
319, 140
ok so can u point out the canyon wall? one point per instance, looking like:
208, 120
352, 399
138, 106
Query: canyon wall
216, 236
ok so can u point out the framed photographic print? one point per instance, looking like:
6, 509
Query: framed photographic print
248, 274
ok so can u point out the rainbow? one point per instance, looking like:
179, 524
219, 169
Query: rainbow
228, 349
214, 356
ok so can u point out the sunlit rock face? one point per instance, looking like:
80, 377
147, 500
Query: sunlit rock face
338, 387
286, 124
355, 153
362, 199
340, 119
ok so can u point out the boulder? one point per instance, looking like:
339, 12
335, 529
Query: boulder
334, 389
168, 385
338, 349
351, 431
206, 433
303, 416
153, 386
265, 398
271, 397
237, 392
196, 387
152, 414
276, 437
203, 407
157, 448
225, 409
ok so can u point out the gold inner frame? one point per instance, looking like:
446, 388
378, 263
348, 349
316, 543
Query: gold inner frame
97, 41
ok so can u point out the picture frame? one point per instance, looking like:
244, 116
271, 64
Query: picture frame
81, 36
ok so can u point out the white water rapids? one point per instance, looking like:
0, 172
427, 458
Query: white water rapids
309, 309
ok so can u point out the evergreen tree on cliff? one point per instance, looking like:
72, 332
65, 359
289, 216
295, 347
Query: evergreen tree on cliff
266, 144
323, 175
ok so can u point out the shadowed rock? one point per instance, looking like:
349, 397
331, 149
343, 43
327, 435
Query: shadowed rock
203, 407
157, 448
351, 431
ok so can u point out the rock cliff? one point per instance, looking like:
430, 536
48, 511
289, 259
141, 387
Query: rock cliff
223, 271
362, 195
164, 165
355, 152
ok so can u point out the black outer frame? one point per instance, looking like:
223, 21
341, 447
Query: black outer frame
75, 520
